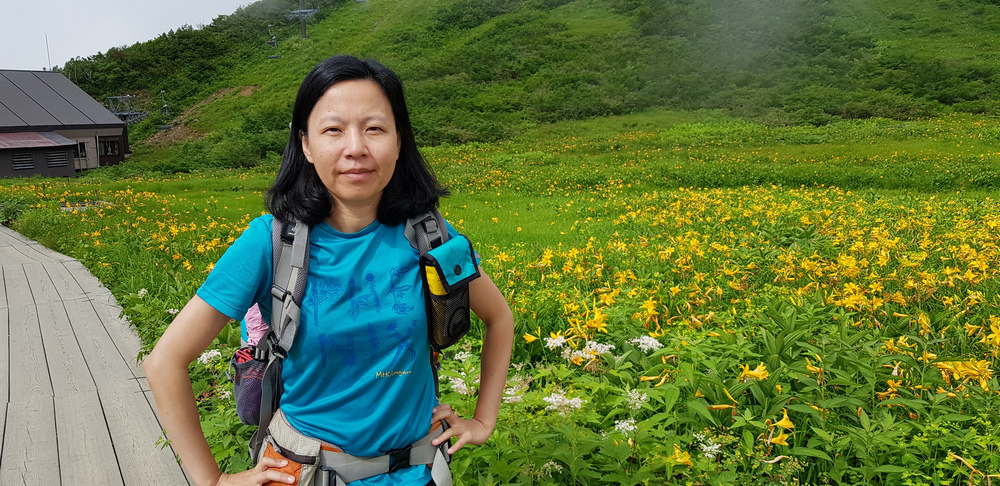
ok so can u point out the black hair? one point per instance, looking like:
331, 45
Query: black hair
299, 194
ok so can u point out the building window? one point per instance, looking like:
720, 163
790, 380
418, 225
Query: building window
80, 151
109, 147
56, 158
23, 160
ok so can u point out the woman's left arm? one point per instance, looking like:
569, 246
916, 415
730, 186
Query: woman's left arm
489, 305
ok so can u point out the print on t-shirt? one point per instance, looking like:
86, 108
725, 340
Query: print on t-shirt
342, 348
399, 293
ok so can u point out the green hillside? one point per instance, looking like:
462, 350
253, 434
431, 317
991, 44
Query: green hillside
486, 70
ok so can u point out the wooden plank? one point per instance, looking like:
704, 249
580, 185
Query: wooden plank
68, 367
10, 256
125, 339
29, 373
4, 363
135, 432
39, 253
9, 237
3, 422
107, 366
64, 282
83, 277
30, 436
16, 286
86, 454
30, 421
3, 291
42, 289
33, 252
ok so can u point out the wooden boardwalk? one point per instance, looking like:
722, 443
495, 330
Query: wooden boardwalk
76, 407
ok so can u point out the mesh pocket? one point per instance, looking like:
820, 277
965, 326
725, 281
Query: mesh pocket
246, 389
448, 317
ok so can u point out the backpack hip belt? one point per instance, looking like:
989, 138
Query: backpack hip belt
326, 465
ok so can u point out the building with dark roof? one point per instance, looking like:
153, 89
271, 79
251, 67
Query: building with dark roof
51, 127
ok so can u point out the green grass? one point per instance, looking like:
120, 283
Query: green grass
856, 248
479, 70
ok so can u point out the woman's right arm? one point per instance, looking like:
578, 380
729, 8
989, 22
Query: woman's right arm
191, 332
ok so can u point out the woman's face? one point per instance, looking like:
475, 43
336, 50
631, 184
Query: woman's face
351, 140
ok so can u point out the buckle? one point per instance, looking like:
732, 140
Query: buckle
272, 344
260, 353
279, 293
399, 458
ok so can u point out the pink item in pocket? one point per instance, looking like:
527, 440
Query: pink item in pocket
256, 327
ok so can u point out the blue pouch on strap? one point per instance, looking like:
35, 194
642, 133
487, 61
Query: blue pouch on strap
454, 262
447, 271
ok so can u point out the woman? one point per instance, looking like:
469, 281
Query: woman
357, 375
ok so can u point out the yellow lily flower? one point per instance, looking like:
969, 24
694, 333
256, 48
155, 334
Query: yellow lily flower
759, 373
720, 407
780, 439
681, 458
785, 422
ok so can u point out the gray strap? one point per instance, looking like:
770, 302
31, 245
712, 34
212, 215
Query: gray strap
349, 468
423, 229
290, 265
439, 470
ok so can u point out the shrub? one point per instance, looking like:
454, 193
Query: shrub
11, 206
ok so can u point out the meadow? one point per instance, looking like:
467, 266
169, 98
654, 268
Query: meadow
699, 299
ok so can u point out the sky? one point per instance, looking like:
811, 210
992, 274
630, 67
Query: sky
81, 28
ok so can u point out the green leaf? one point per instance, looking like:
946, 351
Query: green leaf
670, 395
888, 468
702, 410
823, 434
956, 417
866, 423
805, 451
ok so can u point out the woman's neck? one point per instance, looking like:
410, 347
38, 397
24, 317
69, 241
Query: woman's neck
352, 219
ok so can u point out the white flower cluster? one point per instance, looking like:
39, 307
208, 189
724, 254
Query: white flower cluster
593, 350
459, 386
510, 395
518, 386
635, 399
172, 312
551, 466
646, 343
556, 342
571, 354
561, 403
209, 356
626, 426
462, 356
708, 446
142, 293
598, 349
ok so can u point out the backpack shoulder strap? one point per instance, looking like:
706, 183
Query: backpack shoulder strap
290, 257
426, 231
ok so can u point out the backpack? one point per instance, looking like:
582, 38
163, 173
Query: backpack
447, 266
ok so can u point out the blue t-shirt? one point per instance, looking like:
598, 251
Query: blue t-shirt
358, 375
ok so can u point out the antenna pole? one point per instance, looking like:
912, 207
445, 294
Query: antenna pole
302, 6
47, 55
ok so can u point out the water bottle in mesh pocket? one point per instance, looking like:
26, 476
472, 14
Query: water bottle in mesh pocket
246, 374
447, 271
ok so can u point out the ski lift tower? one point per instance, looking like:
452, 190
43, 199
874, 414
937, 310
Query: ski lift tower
121, 106
302, 14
